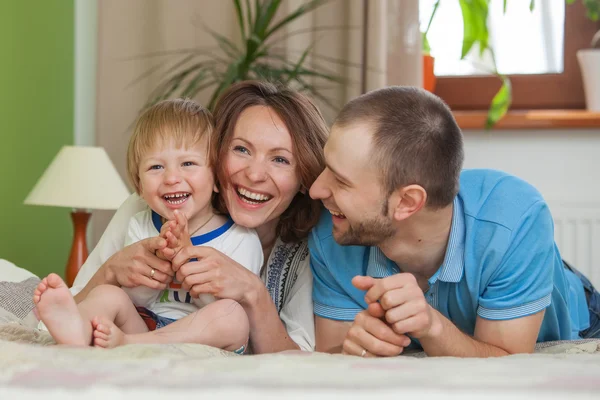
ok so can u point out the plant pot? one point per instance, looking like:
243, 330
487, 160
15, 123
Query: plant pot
428, 75
589, 62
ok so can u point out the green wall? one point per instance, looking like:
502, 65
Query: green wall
36, 120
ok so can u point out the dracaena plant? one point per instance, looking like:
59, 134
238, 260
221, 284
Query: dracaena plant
476, 35
259, 56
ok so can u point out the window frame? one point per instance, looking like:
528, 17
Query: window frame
530, 92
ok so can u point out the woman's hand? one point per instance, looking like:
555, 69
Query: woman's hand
215, 273
134, 265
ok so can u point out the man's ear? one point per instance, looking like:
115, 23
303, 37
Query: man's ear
407, 201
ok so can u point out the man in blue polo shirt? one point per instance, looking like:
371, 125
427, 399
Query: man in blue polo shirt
463, 263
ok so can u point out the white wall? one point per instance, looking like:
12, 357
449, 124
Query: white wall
564, 165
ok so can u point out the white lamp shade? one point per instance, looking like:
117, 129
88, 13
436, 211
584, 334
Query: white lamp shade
80, 177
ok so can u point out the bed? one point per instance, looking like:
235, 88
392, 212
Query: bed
31, 366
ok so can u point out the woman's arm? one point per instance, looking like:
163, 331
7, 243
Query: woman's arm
110, 263
217, 274
268, 334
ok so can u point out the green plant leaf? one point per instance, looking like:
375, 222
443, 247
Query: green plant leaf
299, 12
532, 5
230, 77
272, 41
475, 31
226, 45
249, 17
500, 103
305, 86
268, 12
426, 48
292, 75
240, 16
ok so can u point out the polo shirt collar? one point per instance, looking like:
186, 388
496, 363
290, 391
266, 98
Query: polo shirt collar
454, 261
379, 266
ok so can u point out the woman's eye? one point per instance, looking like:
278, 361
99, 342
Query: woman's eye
281, 160
241, 149
188, 164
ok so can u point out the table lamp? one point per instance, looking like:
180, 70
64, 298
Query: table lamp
82, 178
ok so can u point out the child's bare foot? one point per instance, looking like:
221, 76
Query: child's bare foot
58, 311
107, 334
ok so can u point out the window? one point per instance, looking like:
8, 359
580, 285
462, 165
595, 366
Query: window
537, 49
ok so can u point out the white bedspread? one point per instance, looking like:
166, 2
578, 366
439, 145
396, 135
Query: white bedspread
565, 371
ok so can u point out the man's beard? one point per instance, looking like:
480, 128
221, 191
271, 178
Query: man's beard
370, 232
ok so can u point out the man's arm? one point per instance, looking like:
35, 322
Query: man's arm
330, 334
401, 300
491, 338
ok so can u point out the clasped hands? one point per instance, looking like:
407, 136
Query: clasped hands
396, 310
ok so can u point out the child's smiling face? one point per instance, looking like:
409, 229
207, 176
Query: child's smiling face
174, 178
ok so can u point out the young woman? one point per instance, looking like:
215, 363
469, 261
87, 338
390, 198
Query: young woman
267, 150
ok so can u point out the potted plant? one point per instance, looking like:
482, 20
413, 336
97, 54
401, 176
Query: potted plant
589, 60
258, 57
475, 34
429, 79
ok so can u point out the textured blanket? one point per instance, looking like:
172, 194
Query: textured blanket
557, 370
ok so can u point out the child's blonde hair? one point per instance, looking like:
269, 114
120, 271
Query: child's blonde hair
182, 121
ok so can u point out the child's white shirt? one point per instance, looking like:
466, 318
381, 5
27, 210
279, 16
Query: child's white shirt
240, 244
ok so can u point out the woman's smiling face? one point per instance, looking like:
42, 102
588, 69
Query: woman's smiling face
260, 168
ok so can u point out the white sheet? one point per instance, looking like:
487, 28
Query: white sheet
192, 371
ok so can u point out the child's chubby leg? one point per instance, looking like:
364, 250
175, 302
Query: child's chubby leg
223, 324
70, 323
110, 302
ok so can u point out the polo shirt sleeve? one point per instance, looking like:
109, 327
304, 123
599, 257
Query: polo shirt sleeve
522, 283
330, 300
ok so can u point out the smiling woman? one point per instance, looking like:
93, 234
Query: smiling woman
267, 148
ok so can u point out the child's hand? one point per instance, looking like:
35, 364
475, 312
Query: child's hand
175, 232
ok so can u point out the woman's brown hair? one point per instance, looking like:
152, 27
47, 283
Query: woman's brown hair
307, 129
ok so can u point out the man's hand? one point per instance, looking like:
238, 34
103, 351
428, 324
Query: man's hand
374, 336
370, 335
401, 301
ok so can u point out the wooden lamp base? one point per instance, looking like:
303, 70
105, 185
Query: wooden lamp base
79, 250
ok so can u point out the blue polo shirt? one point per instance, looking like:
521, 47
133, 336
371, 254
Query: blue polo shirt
501, 263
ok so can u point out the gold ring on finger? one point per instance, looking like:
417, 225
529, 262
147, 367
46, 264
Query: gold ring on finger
152, 273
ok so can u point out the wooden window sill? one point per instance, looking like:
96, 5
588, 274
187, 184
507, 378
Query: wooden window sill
534, 119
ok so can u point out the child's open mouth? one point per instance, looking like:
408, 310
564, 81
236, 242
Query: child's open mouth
176, 198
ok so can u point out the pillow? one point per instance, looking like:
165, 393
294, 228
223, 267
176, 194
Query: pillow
9, 272
16, 295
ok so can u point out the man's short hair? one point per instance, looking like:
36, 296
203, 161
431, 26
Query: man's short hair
416, 140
